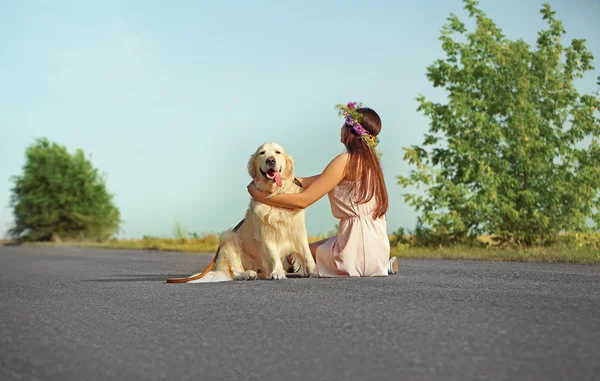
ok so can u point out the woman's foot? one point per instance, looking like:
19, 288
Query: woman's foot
393, 265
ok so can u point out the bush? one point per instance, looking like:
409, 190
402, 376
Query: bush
60, 196
507, 153
589, 240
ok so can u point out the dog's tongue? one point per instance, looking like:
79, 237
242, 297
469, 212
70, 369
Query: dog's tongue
277, 178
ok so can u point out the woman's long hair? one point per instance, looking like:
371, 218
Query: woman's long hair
363, 168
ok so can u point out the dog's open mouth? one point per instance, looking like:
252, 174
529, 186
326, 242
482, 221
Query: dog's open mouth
272, 175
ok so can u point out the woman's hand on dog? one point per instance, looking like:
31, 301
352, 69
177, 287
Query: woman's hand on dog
255, 192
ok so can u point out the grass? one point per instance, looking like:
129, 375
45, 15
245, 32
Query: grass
556, 254
209, 243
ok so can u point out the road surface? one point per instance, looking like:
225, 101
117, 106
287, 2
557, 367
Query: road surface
82, 314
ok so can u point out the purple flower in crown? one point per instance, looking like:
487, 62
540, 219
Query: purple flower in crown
352, 105
360, 130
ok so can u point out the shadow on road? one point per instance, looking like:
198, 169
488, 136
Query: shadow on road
156, 278
138, 278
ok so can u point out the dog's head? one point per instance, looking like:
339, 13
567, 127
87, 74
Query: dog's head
271, 167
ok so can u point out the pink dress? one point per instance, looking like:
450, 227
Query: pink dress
361, 247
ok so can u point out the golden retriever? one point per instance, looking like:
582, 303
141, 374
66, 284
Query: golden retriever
259, 246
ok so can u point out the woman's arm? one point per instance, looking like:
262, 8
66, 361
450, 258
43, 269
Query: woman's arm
325, 182
306, 181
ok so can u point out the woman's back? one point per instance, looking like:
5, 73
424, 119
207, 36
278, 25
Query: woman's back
361, 247
343, 205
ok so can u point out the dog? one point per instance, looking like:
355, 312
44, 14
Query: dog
257, 248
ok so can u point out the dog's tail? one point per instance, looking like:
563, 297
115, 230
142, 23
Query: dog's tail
213, 276
196, 277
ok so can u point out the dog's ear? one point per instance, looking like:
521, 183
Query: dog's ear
252, 166
289, 166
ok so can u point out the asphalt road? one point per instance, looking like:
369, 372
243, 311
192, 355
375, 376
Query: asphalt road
72, 314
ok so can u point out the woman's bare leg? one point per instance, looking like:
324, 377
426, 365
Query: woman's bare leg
313, 247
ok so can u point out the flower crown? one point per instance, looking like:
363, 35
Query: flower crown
353, 118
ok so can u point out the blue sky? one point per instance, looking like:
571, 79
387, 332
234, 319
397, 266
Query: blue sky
171, 98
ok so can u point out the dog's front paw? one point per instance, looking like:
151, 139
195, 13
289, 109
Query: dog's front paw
309, 271
302, 272
313, 272
246, 275
278, 274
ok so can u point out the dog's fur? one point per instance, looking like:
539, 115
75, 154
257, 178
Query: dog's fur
259, 247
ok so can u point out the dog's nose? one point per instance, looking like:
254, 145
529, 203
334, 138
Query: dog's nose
270, 161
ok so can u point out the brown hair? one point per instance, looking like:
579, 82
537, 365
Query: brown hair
363, 168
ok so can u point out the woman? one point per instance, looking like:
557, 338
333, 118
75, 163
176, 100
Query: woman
356, 189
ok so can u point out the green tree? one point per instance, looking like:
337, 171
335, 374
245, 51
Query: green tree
514, 150
61, 196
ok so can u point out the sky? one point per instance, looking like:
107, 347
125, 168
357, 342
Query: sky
170, 99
